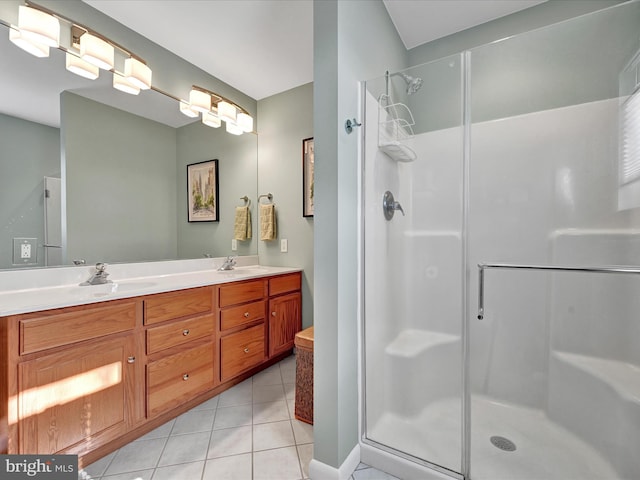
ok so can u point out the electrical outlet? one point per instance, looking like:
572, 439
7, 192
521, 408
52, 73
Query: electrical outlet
25, 251
284, 245
234, 245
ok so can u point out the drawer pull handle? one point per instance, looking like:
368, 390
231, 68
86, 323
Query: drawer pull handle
273, 314
246, 350
185, 332
131, 359
246, 314
185, 377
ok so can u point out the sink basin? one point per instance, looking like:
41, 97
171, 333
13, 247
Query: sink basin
89, 291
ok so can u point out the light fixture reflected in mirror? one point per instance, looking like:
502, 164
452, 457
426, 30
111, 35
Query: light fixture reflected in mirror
234, 129
78, 66
122, 84
210, 119
37, 49
186, 109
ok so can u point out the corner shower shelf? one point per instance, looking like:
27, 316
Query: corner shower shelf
394, 129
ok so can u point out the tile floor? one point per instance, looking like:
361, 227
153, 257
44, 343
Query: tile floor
248, 432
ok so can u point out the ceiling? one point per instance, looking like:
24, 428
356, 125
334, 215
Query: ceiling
261, 47
264, 47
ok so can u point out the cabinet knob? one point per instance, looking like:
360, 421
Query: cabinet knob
185, 377
131, 359
246, 350
246, 314
185, 332
273, 314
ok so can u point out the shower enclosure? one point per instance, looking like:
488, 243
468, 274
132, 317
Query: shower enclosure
522, 156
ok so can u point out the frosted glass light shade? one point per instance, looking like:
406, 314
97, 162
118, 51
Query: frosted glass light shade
38, 26
37, 49
211, 120
80, 67
96, 51
234, 129
245, 122
226, 112
122, 84
137, 73
200, 101
186, 109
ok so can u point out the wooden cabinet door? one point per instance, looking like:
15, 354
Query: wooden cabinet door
285, 320
75, 395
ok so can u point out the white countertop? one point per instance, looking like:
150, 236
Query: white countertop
44, 298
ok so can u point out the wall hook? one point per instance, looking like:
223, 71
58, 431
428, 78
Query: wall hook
349, 124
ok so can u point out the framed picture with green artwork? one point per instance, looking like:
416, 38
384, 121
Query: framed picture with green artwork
307, 177
202, 189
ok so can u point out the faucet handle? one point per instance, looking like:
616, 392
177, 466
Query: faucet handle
101, 267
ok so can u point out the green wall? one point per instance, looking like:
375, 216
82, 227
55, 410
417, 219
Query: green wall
30, 151
353, 40
285, 120
237, 172
120, 184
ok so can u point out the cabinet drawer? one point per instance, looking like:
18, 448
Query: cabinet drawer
235, 316
242, 292
241, 351
65, 326
284, 284
165, 306
175, 379
179, 332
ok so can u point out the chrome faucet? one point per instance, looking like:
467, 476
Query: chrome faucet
228, 264
99, 277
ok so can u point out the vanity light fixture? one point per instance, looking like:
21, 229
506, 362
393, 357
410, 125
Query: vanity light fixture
186, 109
97, 51
122, 83
210, 119
227, 112
200, 101
81, 67
34, 48
245, 122
38, 26
137, 73
234, 129
215, 108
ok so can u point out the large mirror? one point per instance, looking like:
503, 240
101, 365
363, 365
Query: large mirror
88, 173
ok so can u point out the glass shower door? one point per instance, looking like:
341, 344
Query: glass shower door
554, 382
414, 263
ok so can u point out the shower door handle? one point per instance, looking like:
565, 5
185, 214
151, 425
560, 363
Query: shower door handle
389, 205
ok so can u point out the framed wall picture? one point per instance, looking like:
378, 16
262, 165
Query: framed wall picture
307, 177
202, 188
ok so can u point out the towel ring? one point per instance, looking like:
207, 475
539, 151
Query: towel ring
268, 195
246, 200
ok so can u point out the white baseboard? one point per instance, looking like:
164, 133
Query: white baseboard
322, 471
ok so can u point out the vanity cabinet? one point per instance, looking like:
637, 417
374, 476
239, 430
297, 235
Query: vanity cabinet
242, 313
76, 376
285, 307
180, 347
88, 379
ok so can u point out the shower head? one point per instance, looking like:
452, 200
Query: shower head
413, 83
